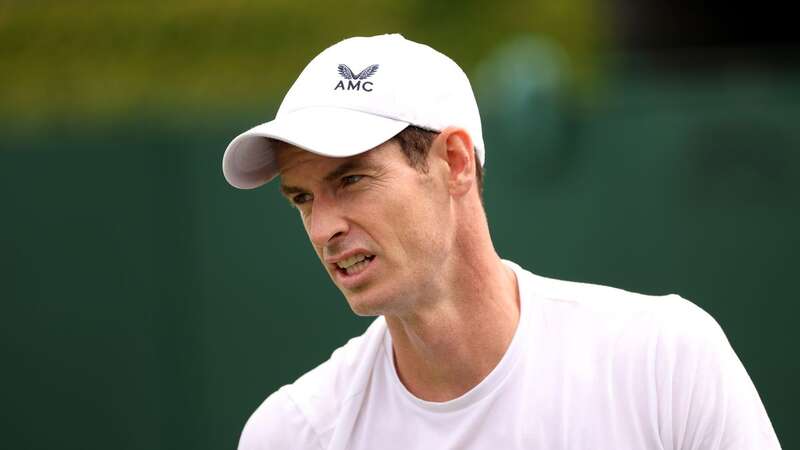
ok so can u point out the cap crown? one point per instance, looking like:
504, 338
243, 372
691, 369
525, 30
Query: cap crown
392, 77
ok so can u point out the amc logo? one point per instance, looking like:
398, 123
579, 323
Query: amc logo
355, 82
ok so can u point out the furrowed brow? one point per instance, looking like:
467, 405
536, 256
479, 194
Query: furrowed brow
345, 167
341, 169
287, 191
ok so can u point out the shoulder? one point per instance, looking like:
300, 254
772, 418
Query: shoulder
605, 306
278, 423
304, 413
617, 320
666, 345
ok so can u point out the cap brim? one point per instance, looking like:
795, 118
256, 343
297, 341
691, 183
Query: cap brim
249, 160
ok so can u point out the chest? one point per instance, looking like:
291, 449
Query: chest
541, 406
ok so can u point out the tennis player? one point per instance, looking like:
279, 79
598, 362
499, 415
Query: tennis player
378, 145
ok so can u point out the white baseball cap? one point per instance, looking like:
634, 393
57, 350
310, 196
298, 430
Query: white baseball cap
353, 97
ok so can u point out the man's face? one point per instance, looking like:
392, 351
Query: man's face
381, 228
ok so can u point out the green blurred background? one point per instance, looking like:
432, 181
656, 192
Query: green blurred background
146, 304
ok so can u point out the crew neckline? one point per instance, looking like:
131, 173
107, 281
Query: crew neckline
493, 381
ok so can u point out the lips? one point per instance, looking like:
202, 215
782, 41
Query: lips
355, 264
350, 269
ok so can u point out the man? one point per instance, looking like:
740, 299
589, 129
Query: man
378, 145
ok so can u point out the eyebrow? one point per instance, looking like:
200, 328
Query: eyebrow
347, 166
289, 190
341, 169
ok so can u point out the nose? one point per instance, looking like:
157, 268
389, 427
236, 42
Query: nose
326, 222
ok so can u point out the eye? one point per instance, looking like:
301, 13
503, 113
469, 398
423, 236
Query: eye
351, 179
299, 199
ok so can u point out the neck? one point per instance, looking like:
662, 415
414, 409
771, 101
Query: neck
447, 347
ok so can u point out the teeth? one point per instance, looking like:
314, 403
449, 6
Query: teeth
351, 261
357, 267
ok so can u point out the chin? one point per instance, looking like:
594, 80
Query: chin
364, 308
369, 304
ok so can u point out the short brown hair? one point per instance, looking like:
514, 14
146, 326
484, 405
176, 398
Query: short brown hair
415, 142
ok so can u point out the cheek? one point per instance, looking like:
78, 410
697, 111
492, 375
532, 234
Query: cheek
418, 226
409, 223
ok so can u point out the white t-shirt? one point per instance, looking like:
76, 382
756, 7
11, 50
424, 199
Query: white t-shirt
589, 367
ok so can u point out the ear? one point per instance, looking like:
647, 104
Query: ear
454, 146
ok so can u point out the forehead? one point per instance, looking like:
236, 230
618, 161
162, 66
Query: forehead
290, 157
294, 160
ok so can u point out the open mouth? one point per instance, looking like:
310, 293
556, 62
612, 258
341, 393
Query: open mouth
354, 264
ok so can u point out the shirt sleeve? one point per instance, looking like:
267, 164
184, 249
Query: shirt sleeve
278, 424
706, 398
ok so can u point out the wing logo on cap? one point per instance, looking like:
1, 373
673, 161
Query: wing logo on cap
354, 81
347, 74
